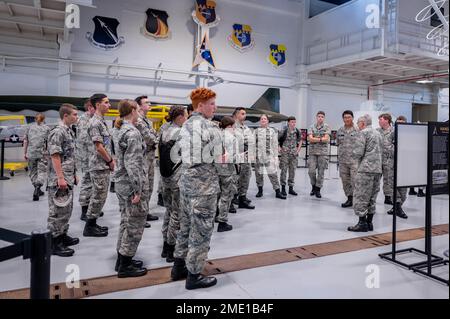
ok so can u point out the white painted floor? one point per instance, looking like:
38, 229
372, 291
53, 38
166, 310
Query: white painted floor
275, 224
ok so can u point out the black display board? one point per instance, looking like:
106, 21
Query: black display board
438, 132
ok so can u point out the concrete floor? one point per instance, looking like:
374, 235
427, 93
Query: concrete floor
275, 224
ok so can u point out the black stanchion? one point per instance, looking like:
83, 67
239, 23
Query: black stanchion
2, 162
40, 264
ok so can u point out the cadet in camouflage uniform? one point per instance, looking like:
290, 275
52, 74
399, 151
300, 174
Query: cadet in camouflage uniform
170, 175
347, 165
290, 141
82, 154
151, 140
61, 180
101, 164
227, 173
319, 138
130, 179
401, 191
387, 133
199, 188
246, 144
35, 153
367, 152
160, 186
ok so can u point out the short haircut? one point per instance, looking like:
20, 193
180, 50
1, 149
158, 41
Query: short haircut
39, 118
320, 112
174, 112
237, 110
366, 118
97, 98
201, 95
87, 103
402, 118
291, 118
225, 122
386, 116
347, 112
140, 98
66, 108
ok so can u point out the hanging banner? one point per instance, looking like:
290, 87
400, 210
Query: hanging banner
277, 55
156, 25
241, 39
205, 13
204, 53
105, 35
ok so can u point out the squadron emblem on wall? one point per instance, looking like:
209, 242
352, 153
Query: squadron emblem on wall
156, 24
105, 34
277, 55
204, 53
241, 39
205, 13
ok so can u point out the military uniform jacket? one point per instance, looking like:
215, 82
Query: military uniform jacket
367, 151
266, 144
319, 131
290, 143
61, 141
171, 133
388, 138
36, 135
345, 141
98, 132
245, 139
130, 157
229, 145
197, 140
83, 141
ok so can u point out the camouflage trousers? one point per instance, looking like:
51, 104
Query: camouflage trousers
388, 178
58, 217
85, 187
367, 186
37, 170
227, 190
401, 194
317, 163
132, 220
245, 173
288, 164
196, 228
148, 190
100, 188
347, 172
262, 169
171, 222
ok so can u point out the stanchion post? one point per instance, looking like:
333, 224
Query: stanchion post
40, 264
2, 162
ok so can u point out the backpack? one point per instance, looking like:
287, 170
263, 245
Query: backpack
166, 166
284, 136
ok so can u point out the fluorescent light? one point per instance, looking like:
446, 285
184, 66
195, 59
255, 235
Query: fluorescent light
424, 81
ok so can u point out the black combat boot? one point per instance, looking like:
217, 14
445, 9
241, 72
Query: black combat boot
165, 250
412, 191
313, 191
388, 200
291, 191
235, 200
59, 249
318, 195
179, 270
127, 269
41, 193
361, 226
232, 209
195, 281
147, 225
91, 229
283, 190
151, 218
279, 194
135, 263
36, 193
112, 187
244, 204
224, 227
400, 211
348, 203
247, 200
84, 210
260, 191
160, 200
369, 218
70, 241
170, 251
420, 193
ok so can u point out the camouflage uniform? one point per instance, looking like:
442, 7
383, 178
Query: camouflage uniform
199, 188
171, 191
82, 153
347, 164
318, 155
130, 180
98, 168
245, 139
151, 139
36, 136
160, 132
289, 156
228, 177
367, 151
60, 141
388, 137
266, 156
